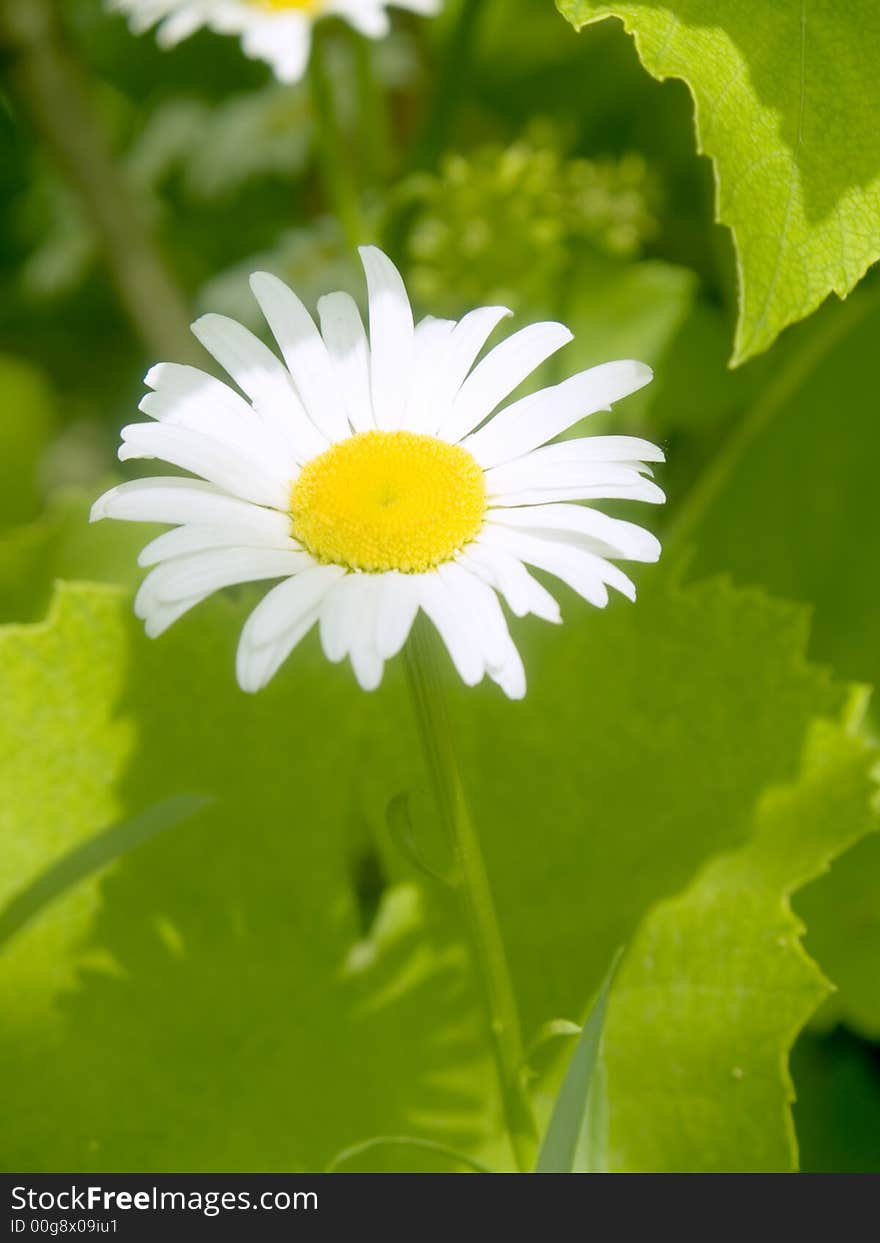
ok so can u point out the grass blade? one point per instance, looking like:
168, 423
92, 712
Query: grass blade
91, 856
557, 1154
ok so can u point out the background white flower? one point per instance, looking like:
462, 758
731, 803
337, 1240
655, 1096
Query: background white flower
377, 478
277, 31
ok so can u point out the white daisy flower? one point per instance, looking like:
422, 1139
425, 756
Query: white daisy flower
377, 477
276, 31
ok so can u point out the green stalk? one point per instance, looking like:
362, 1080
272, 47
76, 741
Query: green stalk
450, 83
336, 166
452, 78
818, 342
51, 86
474, 892
375, 135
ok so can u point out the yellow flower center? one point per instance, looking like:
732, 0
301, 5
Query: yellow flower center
277, 6
388, 501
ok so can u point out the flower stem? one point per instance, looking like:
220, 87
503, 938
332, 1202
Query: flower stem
336, 166
449, 87
375, 136
52, 89
818, 341
472, 885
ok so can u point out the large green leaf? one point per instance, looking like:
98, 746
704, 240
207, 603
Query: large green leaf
786, 100
842, 914
245, 975
641, 752
794, 508
63, 747
717, 985
647, 736
225, 981
796, 513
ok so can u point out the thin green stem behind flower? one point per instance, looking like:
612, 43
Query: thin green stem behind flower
335, 160
375, 129
472, 885
52, 88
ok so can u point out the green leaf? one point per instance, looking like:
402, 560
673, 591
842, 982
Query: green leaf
717, 984
229, 974
255, 946
796, 513
786, 99
646, 738
795, 508
842, 914
647, 741
63, 748
559, 1146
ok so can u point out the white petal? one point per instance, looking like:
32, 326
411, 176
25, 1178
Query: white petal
511, 676
453, 628
571, 465
262, 376
256, 666
342, 615
638, 490
187, 397
202, 455
479, 605
205, 572
427, 8
528, 472
430, 374
179, 26
288, 602
391, 339
283, 40
396, 611
455, 360
533, 420
142, 14
370, 20
584, 572
468, 337
366, 662
198, 579
170, 499
499, 373
279, 622
274, 532
606, 536
158, 617
191, 397
346, 343
304, 353
511, 579
600, 449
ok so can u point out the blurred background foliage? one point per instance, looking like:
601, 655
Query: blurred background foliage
270, 982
